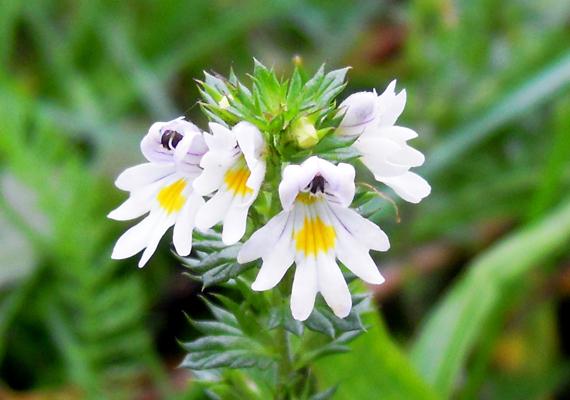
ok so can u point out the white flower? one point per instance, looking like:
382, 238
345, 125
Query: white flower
234, 168
382, 144
316, 228
163, 188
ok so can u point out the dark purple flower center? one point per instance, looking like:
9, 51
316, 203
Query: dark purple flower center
317, 185
170, 139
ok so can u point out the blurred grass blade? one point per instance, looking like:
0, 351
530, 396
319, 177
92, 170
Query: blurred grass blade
375, 369
453, 328
539, 89
551, 183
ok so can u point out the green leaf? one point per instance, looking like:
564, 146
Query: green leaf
227, 341
213, 263
218, 358
319, 323
280, 316
270, 90
333, 142
341, 154
294, 92
454, 326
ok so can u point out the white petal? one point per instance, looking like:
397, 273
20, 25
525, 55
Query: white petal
189, 152
221, 139
295, 178
409, 186
360, 111
364, 231
263, 240
182, 235
215, 165
304, 288
377, 150
407, 156
143, 174
397, 133
158, 230
140, 200
255, 180
132, 208
355, 257
250, 141
373, 144
135, 239
332, 285
277, 260
214, 210
340, 182
235, 222
390, 105
381, 167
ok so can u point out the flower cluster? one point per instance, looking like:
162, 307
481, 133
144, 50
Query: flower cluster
290, 142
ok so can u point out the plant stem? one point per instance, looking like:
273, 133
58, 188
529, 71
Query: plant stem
285, 366
285, 369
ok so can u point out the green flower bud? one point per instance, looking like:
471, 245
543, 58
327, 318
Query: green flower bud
304, 133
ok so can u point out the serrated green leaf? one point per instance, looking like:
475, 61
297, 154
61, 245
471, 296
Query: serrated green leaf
294, 92
219, 313
258, 302
270, 90
247, 320
214, 327
280, 317
332, 142
243, 358
342, 154
212, 343
319, 323
223, 273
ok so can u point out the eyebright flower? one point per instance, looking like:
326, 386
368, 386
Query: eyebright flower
163, 188
382, 144
234, 168
315, 228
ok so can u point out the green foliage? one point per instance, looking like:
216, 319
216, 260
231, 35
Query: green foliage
87, 78
376, 368
250, 335
275, 104
453, 328
212, 262
98, 350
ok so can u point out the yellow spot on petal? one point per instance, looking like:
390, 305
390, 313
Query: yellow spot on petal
307, 198
315, 236
236, 179
170, 198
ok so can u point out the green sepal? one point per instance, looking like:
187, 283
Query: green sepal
212, 262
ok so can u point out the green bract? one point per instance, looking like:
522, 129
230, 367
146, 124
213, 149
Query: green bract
293, 114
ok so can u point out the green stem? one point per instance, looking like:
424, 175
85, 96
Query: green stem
285, 368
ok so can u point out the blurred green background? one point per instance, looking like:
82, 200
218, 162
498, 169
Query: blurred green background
477, 299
